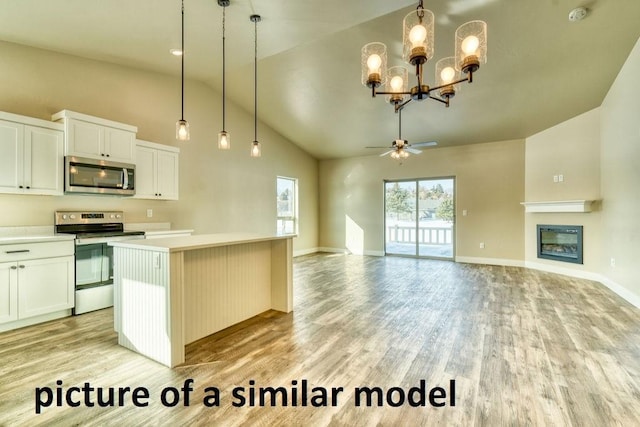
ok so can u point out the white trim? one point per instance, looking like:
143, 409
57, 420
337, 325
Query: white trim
374, 253
31, 121
558, 206
333, 250
618, 289
29, 321
490, 261
621, 291
580, 274
156, 146
305, 252
66, 114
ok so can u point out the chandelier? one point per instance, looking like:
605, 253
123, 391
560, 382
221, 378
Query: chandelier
418, 47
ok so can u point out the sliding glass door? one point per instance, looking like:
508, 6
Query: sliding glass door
419, 218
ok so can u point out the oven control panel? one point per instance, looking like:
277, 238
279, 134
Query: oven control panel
83, 217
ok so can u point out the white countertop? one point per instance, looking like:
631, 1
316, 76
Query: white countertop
167, 232
10, 240
198, 241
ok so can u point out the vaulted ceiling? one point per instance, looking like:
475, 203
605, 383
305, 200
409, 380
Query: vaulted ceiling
541, 69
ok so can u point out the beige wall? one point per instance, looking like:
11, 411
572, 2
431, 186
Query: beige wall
219, 191
571, 149
620, 165
489, 185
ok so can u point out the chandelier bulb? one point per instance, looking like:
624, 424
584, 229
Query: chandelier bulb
470, 45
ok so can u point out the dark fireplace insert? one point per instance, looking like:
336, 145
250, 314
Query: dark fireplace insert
560, 242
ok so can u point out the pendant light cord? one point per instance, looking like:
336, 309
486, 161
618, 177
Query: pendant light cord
255, 81
182, 58
224, 82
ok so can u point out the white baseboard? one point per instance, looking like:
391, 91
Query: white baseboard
305, 252
333, 250
620, 290
490, 261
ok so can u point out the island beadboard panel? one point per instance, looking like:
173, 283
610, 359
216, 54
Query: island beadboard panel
224, 286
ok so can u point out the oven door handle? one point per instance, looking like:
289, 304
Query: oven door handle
125, 179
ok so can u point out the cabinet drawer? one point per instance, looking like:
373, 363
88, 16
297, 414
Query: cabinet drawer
24, 251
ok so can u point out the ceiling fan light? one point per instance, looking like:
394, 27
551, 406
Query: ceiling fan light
418, 36
374, 64
471, 46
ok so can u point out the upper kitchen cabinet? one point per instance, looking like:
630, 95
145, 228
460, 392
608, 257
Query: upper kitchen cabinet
157, 170
96, 138
31, 156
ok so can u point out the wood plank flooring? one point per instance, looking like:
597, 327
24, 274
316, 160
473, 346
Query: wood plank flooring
525, 348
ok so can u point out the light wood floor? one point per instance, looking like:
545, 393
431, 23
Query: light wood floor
526, 348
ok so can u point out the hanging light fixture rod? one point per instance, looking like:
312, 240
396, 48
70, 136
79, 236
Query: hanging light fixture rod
256, 150
224, 139
182, 126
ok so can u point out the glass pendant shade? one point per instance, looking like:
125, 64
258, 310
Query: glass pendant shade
374, 64
417, 36
224, 140
182, 130
397, 81
256, 149
446, 73
471, 46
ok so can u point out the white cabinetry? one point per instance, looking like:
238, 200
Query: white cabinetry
96, 138
37, 282
157, 170
31, 156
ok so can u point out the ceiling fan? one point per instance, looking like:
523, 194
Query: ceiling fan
400, 148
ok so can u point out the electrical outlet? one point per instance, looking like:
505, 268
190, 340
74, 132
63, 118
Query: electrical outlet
555, 178
613, 262
481, 245
561, 178
464, 212
149, 213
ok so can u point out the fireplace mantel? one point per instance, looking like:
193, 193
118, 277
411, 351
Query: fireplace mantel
558, 206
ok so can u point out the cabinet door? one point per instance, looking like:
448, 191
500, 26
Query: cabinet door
45, 285
119, 145
84, 139
8, 292
167, 172
11, 156
43, 161
146, 173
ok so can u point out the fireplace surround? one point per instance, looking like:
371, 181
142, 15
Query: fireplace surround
560, 242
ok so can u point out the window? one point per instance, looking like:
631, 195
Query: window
287, 205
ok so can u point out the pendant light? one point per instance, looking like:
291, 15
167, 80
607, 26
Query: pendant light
224, 139
182, 126
256, 150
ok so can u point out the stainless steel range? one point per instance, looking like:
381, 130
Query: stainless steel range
94, 257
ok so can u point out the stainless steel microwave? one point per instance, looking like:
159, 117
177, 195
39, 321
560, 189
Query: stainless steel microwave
93, 176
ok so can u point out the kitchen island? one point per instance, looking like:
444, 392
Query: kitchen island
172, 291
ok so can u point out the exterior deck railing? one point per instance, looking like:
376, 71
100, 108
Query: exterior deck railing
425, 235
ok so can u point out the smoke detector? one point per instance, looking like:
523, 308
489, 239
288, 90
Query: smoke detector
578, 14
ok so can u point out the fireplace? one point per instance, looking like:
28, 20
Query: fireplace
560, 243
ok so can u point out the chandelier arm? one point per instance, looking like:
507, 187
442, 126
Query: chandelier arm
445, 102
393, 93
449, 84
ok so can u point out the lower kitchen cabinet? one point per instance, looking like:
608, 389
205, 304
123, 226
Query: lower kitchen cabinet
38, 289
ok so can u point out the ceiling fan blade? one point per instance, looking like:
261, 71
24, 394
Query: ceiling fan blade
424, 144
379, 146
386, 152
412, 150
